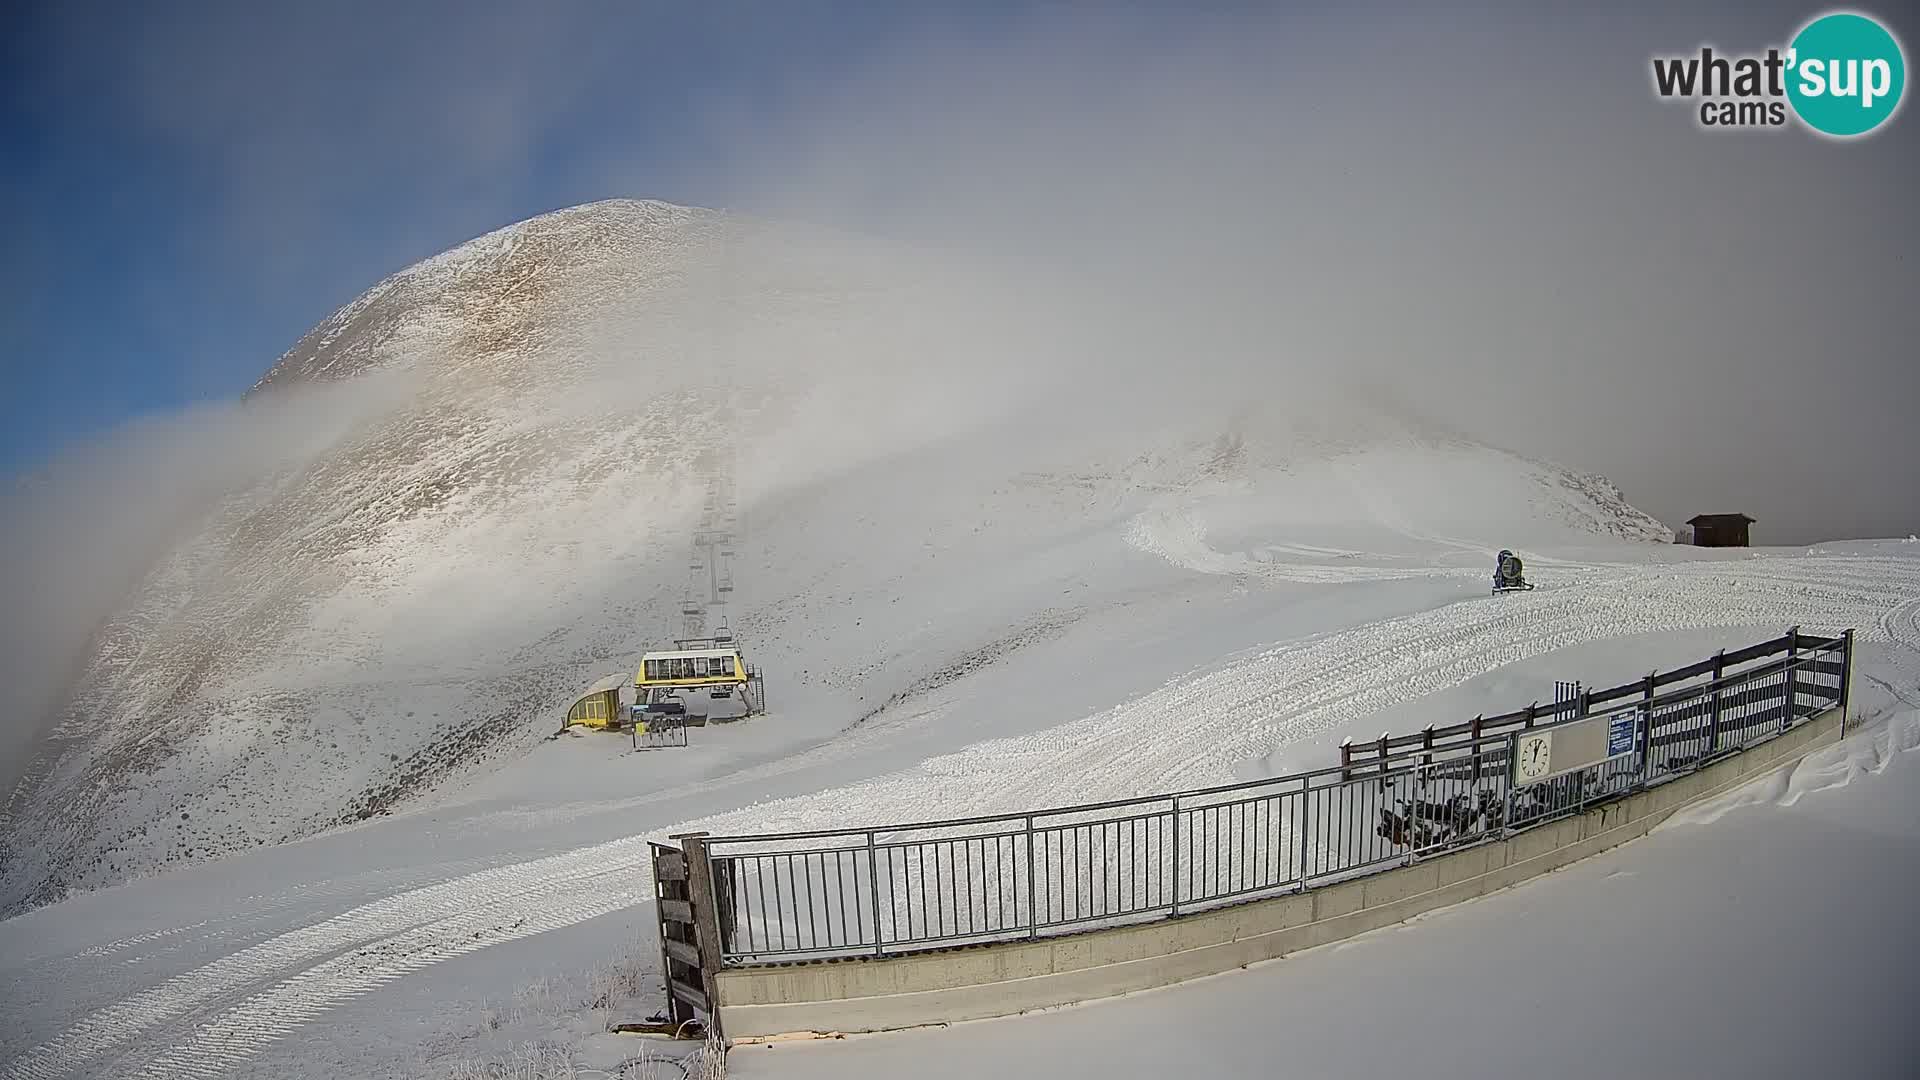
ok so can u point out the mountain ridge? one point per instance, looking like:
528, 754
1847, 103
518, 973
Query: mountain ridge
499, 510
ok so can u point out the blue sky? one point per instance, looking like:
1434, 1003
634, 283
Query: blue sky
1485, 195
189, 187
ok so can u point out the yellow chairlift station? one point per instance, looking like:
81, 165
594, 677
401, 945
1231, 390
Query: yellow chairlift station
713, 664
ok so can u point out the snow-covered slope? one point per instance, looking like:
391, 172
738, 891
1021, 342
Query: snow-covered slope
928, 487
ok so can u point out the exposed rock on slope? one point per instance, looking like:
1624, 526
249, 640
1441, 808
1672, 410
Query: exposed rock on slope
505, 516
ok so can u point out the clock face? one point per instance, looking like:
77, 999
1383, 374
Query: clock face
1533, 757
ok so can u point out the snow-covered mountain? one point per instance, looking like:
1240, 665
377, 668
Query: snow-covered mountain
932, 471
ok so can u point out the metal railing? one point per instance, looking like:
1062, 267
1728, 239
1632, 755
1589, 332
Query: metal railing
908, 888
661, 730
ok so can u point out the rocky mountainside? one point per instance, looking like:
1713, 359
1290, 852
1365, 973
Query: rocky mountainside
504, 517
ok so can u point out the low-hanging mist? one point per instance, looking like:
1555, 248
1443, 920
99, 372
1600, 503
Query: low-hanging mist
1102, 251
470, 491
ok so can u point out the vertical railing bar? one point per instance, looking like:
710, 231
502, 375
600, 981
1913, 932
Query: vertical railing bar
1356, 837
778, 911
1043, 880
1110, 858
1256, 872
1006, 893
1078, 875
1110, 863
1163, 876
1223, 850
813, 930
1229, 858
1176, 855
930, 890
1846, 677
1071, 866
793, 887
1140, 883
1069, 874
1098, 857
1249, 845
1236, 852
1133, 865
920, 857
1261, 822
1055, 852
1334, 799
1096, 869
1218, 853
909, 855
1207, 863
1016, 856
902, 901
840, 888
794, 875
1269, 835
1300, 829
1215, 852
873, 872
1033, 914
936, 892
966, 852
760, 874
1322, 838
1355, 825
992, 885
948, 894
895, 909
1060, 854
1206, 856
914, 856
1791, 675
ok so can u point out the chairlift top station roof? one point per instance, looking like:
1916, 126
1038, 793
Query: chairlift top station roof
690, 654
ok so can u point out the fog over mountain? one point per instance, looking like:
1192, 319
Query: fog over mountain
1110, 248
456, 499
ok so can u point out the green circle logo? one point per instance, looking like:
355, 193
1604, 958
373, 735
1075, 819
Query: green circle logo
1845, 74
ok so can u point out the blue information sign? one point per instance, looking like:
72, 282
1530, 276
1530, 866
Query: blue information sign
1620, 732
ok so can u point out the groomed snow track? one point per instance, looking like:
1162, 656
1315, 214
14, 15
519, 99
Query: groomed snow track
209, 1020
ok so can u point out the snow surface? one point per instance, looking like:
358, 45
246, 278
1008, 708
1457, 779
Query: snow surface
956, 608
379, 949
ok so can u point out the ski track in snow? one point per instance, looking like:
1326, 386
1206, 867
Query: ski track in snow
205, 1021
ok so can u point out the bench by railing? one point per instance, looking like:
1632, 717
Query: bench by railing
907, 888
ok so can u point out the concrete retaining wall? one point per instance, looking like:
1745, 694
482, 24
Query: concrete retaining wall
1006, 978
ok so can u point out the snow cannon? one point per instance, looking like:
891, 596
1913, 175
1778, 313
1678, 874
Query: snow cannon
1507, 574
